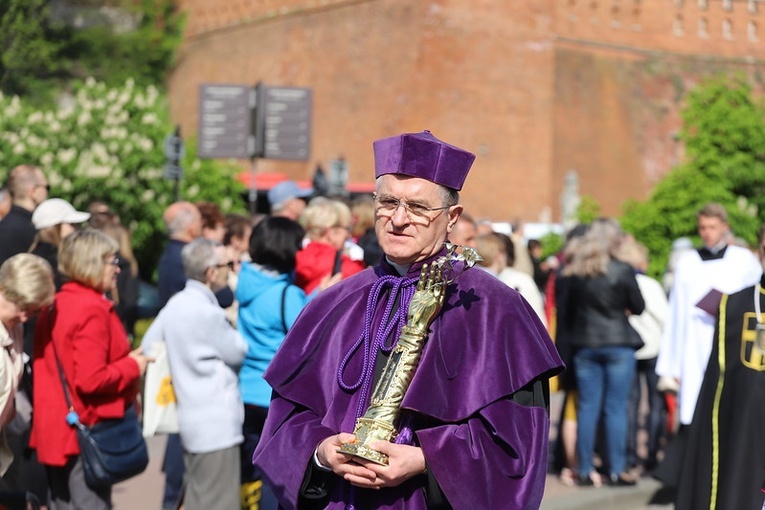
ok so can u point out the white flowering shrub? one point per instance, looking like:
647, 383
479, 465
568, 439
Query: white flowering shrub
108, 144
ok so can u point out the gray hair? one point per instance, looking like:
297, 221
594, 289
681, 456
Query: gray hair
595, 249
179, 215
198, 256
450, 196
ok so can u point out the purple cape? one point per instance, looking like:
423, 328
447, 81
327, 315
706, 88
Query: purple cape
486, 344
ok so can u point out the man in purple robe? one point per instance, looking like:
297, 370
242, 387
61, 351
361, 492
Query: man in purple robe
474, 427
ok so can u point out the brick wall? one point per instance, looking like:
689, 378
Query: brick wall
617, 119
533, 87
722, 28
205, 16
622, 71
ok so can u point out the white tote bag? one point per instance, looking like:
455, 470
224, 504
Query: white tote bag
160, 411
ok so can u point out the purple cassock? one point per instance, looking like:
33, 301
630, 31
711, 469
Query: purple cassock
483, 449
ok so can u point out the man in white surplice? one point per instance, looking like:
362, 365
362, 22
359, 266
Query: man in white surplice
687, 340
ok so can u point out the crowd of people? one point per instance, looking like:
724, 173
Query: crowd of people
624, 335
281, 328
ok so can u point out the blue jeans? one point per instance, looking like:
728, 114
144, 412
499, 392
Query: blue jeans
604, 376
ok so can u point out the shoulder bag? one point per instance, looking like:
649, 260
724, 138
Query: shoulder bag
111, 450
160, 409
284, 307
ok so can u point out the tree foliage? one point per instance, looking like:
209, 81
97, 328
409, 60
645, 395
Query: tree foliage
143, 54
85, 103
107, 143
42, 55
724, 138
29, 46
552, 244
588, 210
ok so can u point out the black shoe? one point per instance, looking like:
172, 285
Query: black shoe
622, 480
589, 481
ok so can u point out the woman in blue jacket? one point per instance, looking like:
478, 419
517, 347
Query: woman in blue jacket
269, 302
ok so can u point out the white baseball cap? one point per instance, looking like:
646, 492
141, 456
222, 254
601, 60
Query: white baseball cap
55, 211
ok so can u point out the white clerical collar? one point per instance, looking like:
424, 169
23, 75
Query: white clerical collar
401, 269
714, 250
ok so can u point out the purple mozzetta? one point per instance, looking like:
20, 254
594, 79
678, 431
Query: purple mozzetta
484, 450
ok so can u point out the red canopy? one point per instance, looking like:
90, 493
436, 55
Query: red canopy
267, 180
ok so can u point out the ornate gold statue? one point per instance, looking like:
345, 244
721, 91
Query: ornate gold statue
380, 421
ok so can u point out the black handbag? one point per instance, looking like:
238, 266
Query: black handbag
111, 450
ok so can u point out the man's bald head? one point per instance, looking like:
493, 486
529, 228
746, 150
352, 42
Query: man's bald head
183, 221
28, 186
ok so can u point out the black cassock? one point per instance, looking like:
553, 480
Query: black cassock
724, 464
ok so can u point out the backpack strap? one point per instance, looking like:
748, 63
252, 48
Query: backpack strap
284, 305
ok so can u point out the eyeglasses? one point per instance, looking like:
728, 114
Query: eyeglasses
230, 264
113, 261
387, 207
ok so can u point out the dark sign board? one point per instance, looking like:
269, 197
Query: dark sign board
283, 125
225, 129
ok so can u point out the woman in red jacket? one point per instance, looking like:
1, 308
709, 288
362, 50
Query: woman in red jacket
327, 224
100, 369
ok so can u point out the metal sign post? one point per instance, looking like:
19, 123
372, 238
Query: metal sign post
174, 152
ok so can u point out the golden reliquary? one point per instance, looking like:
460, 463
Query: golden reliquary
381, 419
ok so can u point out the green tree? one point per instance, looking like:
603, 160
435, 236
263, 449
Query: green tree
144, 54
41, 55
29, 46
588, 210
107, 143
552, 244
724, 138
87, 106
